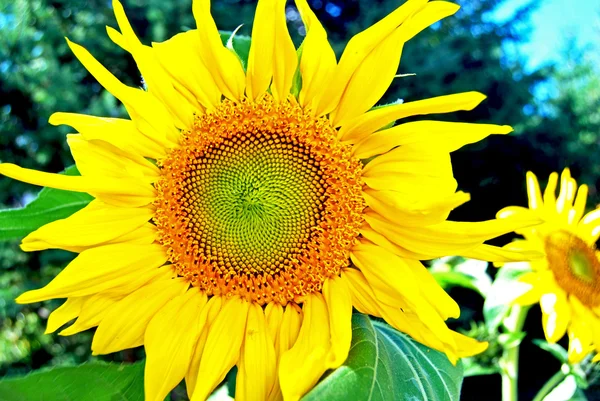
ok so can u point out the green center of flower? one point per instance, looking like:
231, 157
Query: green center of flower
262, 196
581, 266
575, 266
259, 200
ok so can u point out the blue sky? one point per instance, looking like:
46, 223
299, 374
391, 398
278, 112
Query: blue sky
555, 20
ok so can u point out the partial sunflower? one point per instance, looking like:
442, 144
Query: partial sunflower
236, 220
566, 282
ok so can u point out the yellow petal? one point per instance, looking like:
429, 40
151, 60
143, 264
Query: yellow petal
119, 132
125, 323
413, 212
64, 314
439, 135
358, 48
99, 269
580, 340
116, 191
339, 305
207, 317
467, 346
317, 61
495, 254
533, 191
272, 53
261, 58
390, 277
180, 57
528, 296
409, 171
375, 73
101, 159
169, 343
524, 291
290, 328
157, 80
363, 297
222, 349
257, 369
148, 113
370, 80
579, 205
589, 227
433, 292
566, 193
285, 60
556, 315
274, 317
402, 319
144, 235
366, 124
94, 224
302, 366
427, 16
93, 310
446, 238
550, 193
285, 336
224, 65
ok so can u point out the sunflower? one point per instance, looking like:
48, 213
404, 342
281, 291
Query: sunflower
248, 205
566, 282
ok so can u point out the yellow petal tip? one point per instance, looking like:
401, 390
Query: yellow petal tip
23, 299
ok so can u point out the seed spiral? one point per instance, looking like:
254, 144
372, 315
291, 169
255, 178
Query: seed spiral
574, 265
260, 200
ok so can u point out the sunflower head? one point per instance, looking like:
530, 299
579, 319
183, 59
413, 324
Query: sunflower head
259, 200
248, 205
566, 281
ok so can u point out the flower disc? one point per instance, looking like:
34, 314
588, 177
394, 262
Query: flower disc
575, 266
260, 200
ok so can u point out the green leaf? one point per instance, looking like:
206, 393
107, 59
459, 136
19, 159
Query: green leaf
566, 390
96, 381
385, 364
504, 289
467, 273
240, 44
512, 339
472, 368
555, 349
50, 205
454, 279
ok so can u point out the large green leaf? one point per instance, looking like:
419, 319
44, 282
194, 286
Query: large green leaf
96, 381
51, 204
384, 365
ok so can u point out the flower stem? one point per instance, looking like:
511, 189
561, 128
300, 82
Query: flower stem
550, 385
509, 361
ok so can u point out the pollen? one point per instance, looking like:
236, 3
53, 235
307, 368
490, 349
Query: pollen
575, 266
259, 200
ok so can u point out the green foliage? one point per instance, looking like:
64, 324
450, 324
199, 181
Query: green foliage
503, 291
460, 272
51, 204
566, 390
385, 364
89, 382
556, 350
240, 44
